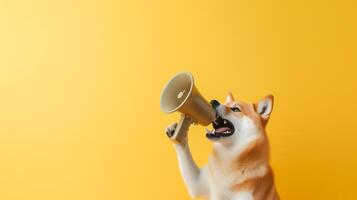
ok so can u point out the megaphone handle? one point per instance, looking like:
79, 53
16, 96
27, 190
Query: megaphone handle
182, 128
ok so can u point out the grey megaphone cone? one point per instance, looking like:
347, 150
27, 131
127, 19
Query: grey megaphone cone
180, 94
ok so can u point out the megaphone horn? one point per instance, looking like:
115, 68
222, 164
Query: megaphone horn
180, 94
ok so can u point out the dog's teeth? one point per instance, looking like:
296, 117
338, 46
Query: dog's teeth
207, 131
225, 122
215, 122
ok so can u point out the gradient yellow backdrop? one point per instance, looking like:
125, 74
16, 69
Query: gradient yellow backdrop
80, 83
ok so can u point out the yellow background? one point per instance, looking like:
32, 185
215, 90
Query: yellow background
80, 83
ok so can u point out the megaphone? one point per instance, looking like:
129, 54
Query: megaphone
180, 94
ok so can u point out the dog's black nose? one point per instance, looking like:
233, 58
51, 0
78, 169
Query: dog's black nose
214, 103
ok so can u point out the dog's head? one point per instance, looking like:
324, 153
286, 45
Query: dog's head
237, 121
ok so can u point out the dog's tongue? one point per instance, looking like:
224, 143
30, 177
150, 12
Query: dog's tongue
221, 129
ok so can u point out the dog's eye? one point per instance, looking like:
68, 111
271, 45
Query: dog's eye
235, 109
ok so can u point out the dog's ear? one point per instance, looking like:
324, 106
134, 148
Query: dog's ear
265, 106
229, 97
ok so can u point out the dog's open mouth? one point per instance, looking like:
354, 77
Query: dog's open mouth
221, 128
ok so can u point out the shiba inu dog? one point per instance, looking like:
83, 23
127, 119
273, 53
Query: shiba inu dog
238, 168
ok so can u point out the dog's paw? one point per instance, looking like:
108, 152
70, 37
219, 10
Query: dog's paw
171, 130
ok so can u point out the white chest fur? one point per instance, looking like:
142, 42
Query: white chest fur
222, 180
244, 196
